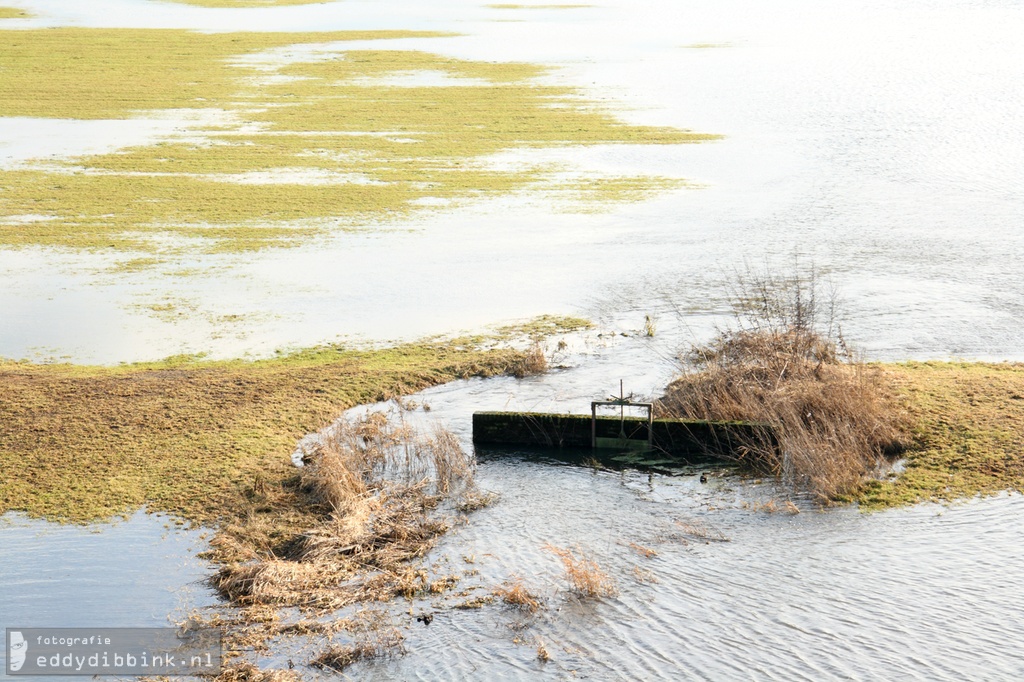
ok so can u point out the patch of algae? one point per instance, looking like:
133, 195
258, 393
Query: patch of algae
318, 142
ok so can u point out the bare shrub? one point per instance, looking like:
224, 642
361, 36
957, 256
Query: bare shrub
584, 575
784, 363
515, 594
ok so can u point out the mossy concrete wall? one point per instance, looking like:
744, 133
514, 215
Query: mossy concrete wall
677, 437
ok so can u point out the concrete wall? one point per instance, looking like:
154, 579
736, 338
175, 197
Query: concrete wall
673, 436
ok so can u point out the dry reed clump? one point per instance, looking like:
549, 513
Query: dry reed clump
542, 652
515, 594
532, 362
829, 418
369, 490
247, 672
584, 575
374, 644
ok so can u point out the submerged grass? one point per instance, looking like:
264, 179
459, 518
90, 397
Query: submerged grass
323, 139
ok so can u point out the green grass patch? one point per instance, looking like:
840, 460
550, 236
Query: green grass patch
969, 438
191, 437
342, 140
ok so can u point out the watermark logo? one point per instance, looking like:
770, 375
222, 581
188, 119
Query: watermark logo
124, 652
17, 649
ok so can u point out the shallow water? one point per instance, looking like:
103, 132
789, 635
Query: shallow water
139, 572
883, 142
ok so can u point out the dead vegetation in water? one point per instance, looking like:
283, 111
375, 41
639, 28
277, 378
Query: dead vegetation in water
585, 577
831, 419
373, 645
373, 484
247, 672
532, 362
515, 594
695, 529
371, 489
643, 551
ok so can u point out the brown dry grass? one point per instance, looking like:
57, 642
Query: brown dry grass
585, 577
514, 593
533, 361
832, 419
645, 552
375, 644
247, 672
366, 520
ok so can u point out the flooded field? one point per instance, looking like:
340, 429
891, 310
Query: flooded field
881, 142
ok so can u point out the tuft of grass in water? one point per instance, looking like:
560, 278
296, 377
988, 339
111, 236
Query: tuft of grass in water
247, 672
13, 13
338, 140
643, 551
533, 362
375, 645
514, 593
585, 577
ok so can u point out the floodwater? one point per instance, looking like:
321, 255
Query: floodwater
883, 141
139, 572
734, 591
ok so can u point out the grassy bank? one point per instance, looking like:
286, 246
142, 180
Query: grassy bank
968, 432
196, 439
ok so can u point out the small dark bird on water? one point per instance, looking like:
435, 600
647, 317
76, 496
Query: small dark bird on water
291, 666
425, 618
703, 478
